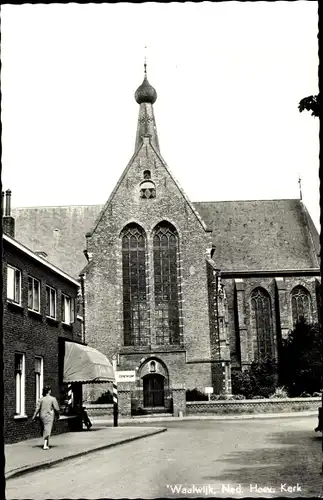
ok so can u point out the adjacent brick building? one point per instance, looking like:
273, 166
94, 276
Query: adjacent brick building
181, 292
39, 315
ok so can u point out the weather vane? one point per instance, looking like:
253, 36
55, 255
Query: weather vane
300, 186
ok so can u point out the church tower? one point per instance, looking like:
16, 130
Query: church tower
145, 285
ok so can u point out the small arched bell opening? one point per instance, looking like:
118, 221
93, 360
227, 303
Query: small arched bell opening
147, 189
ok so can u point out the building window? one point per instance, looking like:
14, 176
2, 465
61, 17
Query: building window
166, 284
13, 284
39, 377
33, 294
20, 383
301, 305
67, 309
261, 322
135, 308
50, 302
147, 187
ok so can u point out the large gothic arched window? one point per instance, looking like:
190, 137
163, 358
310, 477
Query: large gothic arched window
261, 323
166, 284
301, 304
135, 308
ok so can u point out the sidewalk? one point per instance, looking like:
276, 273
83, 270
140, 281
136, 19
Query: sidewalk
28, 456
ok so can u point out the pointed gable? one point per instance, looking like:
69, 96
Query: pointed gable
168, 190
146, 175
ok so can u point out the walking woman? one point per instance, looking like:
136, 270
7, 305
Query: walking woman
46, 408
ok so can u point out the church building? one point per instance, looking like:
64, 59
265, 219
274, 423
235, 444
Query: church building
182, 293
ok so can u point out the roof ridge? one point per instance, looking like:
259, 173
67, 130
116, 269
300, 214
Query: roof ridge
102, 204
244, 201
58, 206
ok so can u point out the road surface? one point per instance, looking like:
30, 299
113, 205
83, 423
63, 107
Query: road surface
278, 457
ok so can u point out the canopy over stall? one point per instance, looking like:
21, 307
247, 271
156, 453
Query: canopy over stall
85, 364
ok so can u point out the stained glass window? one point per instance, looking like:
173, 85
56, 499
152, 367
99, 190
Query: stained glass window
166, 284
301, 304
135, 308
261, 322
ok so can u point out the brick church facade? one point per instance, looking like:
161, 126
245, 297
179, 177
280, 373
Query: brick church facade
181, 292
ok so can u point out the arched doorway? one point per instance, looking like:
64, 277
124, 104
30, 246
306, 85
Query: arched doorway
153, 388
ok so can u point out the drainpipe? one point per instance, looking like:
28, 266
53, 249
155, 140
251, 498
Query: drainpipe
217, 308
82, 279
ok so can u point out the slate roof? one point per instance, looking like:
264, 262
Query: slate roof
261, 234
38, 258
248, 235
58, 231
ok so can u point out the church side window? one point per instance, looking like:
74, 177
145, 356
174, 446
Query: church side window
135, 309
166, 284
301, 304
261, 322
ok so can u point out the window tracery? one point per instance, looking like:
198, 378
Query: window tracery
135, 307
261, 320
166, 284
301, 304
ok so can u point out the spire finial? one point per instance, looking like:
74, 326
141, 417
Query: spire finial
300, 187
145, 93
145, 63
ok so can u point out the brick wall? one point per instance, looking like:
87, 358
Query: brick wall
124, 403
252, 406
103, 281
33, 335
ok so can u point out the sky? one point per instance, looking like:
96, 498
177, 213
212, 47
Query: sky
229, 77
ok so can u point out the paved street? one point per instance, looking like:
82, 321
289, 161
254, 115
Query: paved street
254, 458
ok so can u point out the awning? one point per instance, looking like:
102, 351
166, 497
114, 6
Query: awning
85, 364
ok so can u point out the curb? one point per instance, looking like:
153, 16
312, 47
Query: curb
43, 465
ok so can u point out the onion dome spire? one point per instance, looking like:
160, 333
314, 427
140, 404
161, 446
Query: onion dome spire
145, 93
145, 96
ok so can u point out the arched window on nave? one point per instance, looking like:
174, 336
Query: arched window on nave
165, 242
261, 322
301, 304
135, 307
